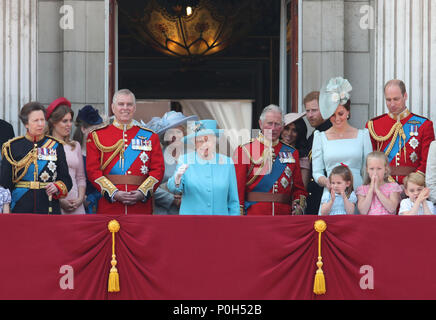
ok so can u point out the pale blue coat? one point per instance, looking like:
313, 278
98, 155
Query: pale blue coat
208, 187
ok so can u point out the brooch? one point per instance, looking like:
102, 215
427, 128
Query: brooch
284, 182
414, 143
413, 157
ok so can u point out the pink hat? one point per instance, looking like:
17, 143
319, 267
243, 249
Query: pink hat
291, 117
58, 102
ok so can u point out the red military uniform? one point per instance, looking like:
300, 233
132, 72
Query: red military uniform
405, 139
124, 158
266, 191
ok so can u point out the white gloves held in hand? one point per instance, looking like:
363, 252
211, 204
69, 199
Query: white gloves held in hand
180, 173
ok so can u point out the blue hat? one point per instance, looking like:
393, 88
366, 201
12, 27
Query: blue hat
202, 128
170, 119
89, 115
335, 93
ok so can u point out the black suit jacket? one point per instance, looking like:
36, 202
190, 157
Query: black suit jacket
6, 132
314, 190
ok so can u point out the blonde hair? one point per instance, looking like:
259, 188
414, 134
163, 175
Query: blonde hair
380, 156
415, 178
346, 174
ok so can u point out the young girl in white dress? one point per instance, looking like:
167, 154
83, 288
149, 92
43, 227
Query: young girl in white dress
5, 200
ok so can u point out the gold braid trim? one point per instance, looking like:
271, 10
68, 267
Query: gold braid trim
116, 148
148, 185
267, 152
63, 189
106, 186
24, 163
397, 129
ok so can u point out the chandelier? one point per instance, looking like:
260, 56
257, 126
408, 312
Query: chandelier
190, 28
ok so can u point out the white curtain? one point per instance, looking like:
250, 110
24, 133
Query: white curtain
234, 116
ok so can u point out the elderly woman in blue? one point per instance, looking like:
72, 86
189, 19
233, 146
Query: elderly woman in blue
206, 179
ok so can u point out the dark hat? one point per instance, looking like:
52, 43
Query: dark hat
89, 115
58, 102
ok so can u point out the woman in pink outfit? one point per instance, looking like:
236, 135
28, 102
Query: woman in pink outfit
60, 119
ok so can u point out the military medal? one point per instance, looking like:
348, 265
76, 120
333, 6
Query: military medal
42, 154
136, 144
47, 154
52, 166
44, 176
288, 172
144, 157
414, 143
286, 157
144, 169
284, 182
413, 157
148, 146
413, 130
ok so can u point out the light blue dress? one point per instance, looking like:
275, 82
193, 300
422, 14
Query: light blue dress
338, 206
208, 187
327, 154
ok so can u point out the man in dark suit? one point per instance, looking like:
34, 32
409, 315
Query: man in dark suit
6, 132
311, 103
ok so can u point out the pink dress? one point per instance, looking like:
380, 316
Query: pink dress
377, 207
77, 173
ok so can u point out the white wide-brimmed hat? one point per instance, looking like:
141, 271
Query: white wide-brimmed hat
293, 116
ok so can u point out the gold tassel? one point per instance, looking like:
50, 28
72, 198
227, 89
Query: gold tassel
114, 278
319, 283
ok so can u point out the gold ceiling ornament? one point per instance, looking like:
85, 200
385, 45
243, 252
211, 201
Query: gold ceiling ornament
183, 29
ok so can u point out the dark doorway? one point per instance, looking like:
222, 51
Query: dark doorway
247, 69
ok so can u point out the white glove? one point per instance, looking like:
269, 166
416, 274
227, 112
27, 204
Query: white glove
180, 173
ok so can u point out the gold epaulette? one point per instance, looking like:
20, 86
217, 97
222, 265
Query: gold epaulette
55, 139
287, 144
145, 128
7, 144
101, 126
244, 144
22, 164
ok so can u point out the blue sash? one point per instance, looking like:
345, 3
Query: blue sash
268, 180
406, 129
17, 193
130, 155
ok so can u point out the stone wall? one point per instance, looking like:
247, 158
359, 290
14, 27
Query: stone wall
71, 52
334, 44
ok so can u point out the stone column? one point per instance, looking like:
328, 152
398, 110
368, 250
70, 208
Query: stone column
71, 56
18, 40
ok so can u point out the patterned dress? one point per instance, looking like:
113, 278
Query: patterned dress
5, 197
377, 207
